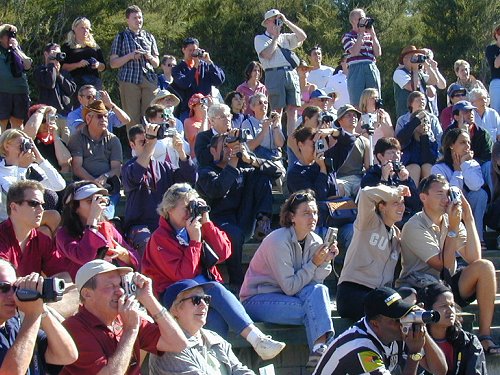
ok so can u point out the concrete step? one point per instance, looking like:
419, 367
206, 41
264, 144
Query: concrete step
473, 308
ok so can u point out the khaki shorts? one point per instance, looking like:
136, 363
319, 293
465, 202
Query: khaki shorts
283, 88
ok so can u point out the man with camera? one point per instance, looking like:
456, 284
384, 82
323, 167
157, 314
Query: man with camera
279, 61
196, 73
416, 72
362, 46
109, 329
392, 334
29, 344
430, 241
146, 179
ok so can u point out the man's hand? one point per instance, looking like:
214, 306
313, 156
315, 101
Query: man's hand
31, 282
403, 174
83, 63
415, 339
454, 215
404, 191
128, 308
144, 293
106, 99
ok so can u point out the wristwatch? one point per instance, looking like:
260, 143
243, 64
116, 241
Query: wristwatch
416, 357
452, 234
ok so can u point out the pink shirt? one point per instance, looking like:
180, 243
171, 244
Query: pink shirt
247, 92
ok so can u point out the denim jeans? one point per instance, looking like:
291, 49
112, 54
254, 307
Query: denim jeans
478, 201
309, 307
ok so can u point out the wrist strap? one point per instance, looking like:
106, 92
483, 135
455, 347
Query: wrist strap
161, 314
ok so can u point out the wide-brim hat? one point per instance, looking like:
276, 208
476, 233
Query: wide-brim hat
96, 267
387, 302
346, 108
97, 106
175, 289
270, 13
161, 94
410, 50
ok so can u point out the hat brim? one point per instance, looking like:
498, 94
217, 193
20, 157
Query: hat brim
156, 100
263, 23
89, 192
402, 309
414, 51
122, 270
169, 299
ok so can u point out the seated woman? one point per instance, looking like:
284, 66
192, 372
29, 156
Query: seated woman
85, 235
375, 247
461, 170
197, 120
284, 281
252, 85
463, 350
419, 134
207, 352
306, 88
236, 102
187, 245
372, 113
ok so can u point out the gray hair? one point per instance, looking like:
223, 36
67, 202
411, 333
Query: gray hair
216, 109
478, 92
254, 98
173, 195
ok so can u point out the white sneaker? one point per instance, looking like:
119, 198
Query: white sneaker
268, 348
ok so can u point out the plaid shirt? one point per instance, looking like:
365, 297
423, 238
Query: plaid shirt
126, 42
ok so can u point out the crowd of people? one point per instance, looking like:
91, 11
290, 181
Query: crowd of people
421, 190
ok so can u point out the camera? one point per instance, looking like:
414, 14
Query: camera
379, 103
330, 236
12, 34
52, 291
59, 56
396, 166
418, 317
366, 22
204, 101
165, 132
320, 146
368, 127
418, 59
51, 118
278, 22
242, 136
103, 199
167, 114
26, 144
128, 285
197, 208
455, 194
198, 53
325, 117
92, 61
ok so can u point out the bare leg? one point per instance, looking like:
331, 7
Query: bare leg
16, 123
50, 222
291, 119
414, 170
3, 124
426, 170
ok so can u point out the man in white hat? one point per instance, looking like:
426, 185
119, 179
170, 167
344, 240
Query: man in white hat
108, 330
274, 50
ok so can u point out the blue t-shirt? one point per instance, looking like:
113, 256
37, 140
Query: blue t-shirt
75, 118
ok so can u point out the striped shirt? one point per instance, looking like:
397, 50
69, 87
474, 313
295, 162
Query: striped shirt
365, 54
133, 70
358, 351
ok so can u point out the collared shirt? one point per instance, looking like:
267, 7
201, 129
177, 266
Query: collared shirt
489, 122
75, 118
338, 84
366, 53
262, 41
97, 343
248, 92
127, 41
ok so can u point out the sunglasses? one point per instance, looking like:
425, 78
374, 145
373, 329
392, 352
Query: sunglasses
457, 95
301, 197
5, 287
196, 300
88, 97
100, 117
263, 102
32, 203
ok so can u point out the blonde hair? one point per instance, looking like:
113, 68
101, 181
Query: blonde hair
460, 63
71, 38
9, 135
355, 12
365, 95
173, 195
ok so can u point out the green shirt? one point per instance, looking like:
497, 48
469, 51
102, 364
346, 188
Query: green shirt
9, 83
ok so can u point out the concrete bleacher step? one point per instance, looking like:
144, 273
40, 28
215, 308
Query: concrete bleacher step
473, 308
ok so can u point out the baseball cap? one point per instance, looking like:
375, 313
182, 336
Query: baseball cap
454, 88
96, 267
387, 302
463, 105
319, 94
346, 108
270, 13
86, 191
175, 289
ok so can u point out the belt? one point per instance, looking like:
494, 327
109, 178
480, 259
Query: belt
288, 67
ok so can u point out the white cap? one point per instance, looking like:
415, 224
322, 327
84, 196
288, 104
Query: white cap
86, 191
96, 267
270, 13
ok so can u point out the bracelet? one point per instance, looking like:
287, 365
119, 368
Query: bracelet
161, 314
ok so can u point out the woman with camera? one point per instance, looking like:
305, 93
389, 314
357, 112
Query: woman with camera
463, 350
187, 245
197, 120
284, 281
84, 234
372, 113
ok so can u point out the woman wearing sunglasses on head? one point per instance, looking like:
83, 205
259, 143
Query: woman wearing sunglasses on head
187, 245
207, 352
85, 235
284, 281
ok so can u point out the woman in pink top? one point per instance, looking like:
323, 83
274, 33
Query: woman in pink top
306, 88
197, 120
253, 74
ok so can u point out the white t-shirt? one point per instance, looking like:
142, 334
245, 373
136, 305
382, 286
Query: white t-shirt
320, 76
338, 84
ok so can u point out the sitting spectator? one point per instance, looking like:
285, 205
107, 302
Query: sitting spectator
464, 353
87, 94
236, 102
351, 152
29, 345
196, 73
492, 53
461, 170
97, 153
419, 134
165, 79
284, 281
485, 117
319, 74
389, 171
306, 87
374, 115
492, 219
238, 195
319, 98
146, 179
168, 102
42, 127
197, 120
377, 345
189, 305
14, 91
252, 85
56, 87
338, 83
464, 78
84, 234
178, 250
108, 329
375, 247
456, 93
429, 243
22, 160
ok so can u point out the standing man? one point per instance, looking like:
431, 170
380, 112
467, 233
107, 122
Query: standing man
135, 53
321, 73
274, 50
363, 47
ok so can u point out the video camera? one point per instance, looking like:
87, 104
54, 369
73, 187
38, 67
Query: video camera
418, 317
197, 208
52, 291
366, 22
419, 58
163, 131
58, 56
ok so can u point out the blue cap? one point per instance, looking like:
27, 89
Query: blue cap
456, 87
319, 94
175, 289
462, 105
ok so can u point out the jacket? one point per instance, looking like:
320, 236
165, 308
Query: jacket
55, 89
418, 152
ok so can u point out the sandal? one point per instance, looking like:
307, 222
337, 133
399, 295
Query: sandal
492, 350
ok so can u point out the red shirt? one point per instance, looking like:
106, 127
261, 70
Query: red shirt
96, 343
40, 254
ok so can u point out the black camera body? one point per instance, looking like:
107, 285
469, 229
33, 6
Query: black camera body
278, 22
368, 127
198, 53
12, 34
52, 291
419, 58
325, 117
196, 208
242, 136
367, 22
165, 132
92, 61
26, 145
379, 103
58, 56
396, 166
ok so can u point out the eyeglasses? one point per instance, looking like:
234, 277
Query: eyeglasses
301, 197
457, 95
224, 116
261, 102
32, 203
324, 100
100, 116
196, 300
5, 287
88, 97
171, 65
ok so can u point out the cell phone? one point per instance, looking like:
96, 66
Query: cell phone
330, 236
455, 194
